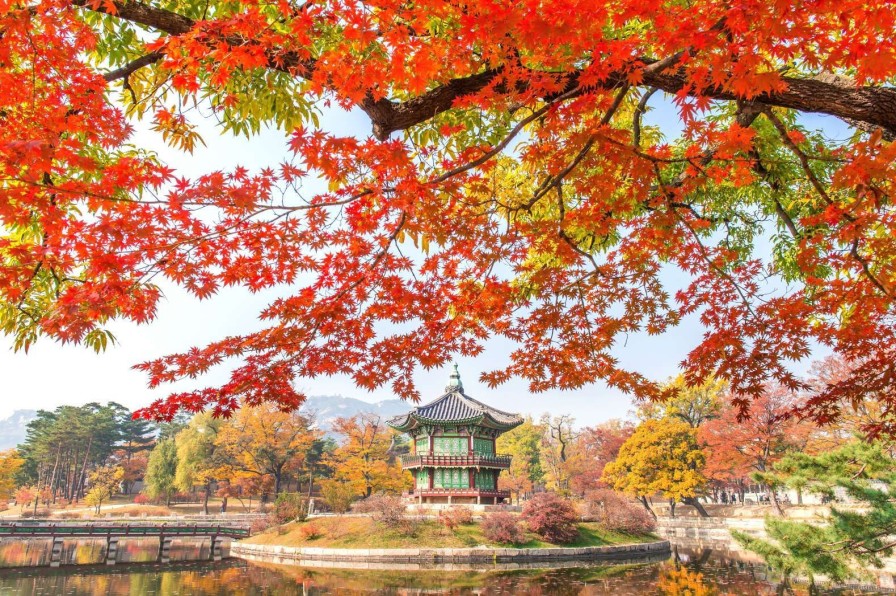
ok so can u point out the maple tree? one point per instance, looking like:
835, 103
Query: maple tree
662, 456
264, 441
598, 446
738, 448
365, 459
511, 186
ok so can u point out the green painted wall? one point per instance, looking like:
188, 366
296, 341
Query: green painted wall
422, 445
485, 479
451, 478
451, 445
483, 446
423, 478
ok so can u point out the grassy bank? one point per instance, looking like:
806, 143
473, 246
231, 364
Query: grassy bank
364, 532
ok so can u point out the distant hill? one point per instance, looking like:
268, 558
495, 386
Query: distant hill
326, 407
12, 429
329, 407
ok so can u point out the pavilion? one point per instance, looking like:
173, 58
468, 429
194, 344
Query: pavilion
453, 455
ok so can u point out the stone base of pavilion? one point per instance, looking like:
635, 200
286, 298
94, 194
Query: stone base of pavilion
454, 496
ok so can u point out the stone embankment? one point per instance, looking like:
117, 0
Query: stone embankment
440, 556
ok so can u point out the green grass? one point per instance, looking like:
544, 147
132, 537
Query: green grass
363, 532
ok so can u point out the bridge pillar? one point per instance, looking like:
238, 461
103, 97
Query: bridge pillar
56, 552
111, 550
164, 549
217, 548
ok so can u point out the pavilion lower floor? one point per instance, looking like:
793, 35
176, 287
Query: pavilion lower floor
458, 496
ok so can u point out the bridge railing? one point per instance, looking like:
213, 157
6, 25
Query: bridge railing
121, 530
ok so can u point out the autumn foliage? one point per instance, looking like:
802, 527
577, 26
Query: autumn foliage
503, 528
551, 517
512, 184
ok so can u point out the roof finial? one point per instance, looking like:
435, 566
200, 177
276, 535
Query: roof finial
454, 383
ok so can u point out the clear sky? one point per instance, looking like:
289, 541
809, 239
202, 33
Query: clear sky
51, 375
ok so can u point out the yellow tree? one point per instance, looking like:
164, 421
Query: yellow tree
265, 441
692, 404
365, 458
199, 460
10, 464
662, 456
105, 481
526, 471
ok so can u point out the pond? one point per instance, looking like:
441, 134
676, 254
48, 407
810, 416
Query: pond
685, 572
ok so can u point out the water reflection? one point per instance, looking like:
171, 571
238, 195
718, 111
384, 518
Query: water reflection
689, 573
91, 551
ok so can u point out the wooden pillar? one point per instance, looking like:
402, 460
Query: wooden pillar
471, 444
430, 444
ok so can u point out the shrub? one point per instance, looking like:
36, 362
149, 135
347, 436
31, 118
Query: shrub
385, 509
338, 495
455, 516
617, 513
290, 507
552, 517
310, 531
141, 499
503, 528
259, 525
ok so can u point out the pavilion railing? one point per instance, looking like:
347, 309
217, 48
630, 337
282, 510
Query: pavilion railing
458, 492
474, 460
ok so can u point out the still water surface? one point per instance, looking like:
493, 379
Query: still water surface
689, 573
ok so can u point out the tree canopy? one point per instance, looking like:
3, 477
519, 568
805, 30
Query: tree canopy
511, 185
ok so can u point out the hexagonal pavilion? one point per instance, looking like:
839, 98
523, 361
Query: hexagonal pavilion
453, 455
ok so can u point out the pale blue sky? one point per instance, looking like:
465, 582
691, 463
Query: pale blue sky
51, 374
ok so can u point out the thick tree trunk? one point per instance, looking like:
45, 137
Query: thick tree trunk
696, 504
208, 489
647, 507
776, 502
864, 106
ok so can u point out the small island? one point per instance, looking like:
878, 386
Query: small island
456, 511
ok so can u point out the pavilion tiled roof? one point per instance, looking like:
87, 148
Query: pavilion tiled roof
456, 406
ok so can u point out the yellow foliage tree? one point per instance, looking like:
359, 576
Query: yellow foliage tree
692, 404
105, 481
365, 458
10, 464
265, 441
662, 456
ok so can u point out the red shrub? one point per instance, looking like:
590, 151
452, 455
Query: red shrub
141, 499
617, 513
503, 528
310, 531
455, 516
552, 517
385, 509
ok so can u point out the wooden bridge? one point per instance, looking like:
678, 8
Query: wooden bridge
114, 532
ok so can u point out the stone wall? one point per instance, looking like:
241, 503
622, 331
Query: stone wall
440, 556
